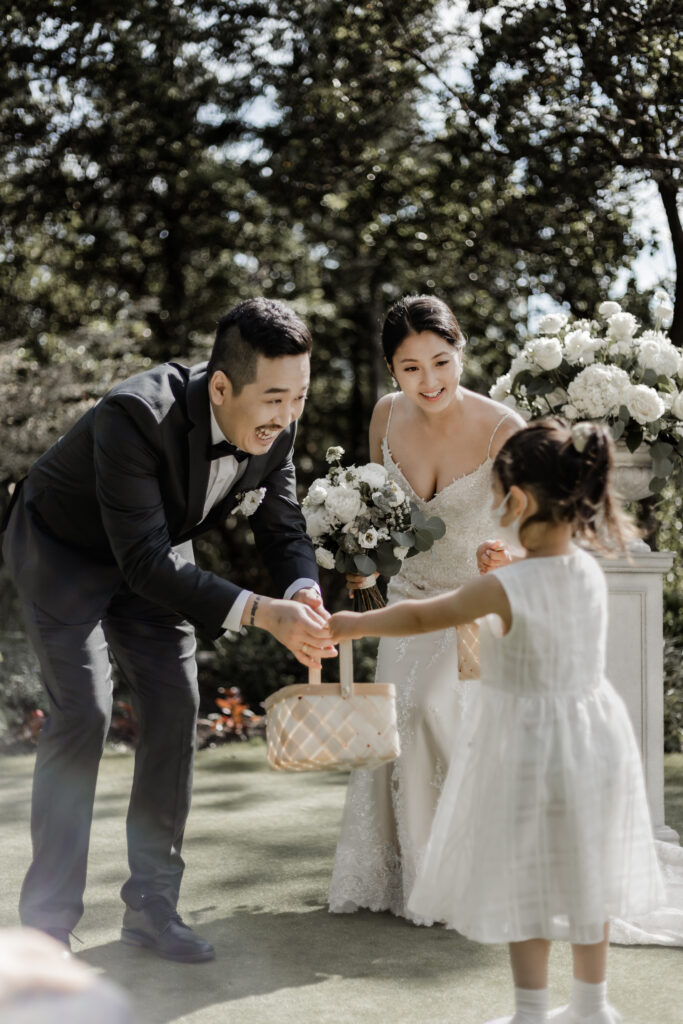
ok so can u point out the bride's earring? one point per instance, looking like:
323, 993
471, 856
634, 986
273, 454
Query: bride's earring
395, 382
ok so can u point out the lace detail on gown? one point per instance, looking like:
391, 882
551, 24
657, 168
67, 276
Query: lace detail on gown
388, 812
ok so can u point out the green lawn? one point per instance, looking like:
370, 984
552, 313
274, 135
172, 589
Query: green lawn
258, 849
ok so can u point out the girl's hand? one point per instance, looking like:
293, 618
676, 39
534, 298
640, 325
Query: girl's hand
345, 626
356, 582
492, 554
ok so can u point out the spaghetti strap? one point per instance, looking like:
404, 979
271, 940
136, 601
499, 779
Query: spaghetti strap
495, 431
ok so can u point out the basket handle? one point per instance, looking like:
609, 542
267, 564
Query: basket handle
345, 669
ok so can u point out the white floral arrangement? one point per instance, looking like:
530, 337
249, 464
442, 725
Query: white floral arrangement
248, 501
361, 521
605, 370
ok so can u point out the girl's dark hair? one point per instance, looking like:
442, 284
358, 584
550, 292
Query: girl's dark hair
415, 314
569, 471
256, 327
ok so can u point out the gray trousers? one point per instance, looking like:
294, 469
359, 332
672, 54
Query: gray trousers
155, 650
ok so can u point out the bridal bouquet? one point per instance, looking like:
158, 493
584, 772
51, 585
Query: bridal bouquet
606, 370
360, 521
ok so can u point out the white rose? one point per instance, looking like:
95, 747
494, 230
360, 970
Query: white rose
520, 363
324, 558
580, 347
317, 492
570, 412
644, 404
598, 391
663, 308
677, 406
401, 553
372, 474
608, 309
501, 388
369, 538
546, 352
343, 502
318, 522
656, 352
552, 323
622, 326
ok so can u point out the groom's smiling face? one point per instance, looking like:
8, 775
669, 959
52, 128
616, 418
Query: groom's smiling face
262, 409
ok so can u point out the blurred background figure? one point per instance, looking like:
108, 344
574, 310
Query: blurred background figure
42, 983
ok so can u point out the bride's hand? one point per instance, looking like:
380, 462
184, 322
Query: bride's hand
492, 554
355, 581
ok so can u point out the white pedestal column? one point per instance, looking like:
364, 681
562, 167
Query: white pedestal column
635, 661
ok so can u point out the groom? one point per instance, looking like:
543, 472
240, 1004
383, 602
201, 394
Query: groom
99, 543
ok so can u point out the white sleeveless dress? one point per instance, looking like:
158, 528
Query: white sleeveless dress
543, 828
388, 812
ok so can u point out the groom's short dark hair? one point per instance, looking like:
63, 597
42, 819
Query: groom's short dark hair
256, 327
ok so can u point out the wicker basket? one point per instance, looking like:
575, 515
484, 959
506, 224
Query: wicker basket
323, 726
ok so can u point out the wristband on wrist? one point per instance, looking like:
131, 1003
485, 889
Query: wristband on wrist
255, 604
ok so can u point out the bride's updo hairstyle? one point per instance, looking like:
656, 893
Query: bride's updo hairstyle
415, 314
569, 470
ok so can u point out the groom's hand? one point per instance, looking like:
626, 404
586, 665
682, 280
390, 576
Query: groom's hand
299, 627
311, 597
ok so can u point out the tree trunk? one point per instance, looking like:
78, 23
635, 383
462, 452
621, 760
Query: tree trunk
668, 192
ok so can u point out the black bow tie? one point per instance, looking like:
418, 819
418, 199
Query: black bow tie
218, 451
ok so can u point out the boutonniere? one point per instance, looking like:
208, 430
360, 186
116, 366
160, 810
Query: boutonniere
249, 501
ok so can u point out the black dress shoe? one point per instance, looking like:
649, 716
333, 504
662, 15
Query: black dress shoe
160, 929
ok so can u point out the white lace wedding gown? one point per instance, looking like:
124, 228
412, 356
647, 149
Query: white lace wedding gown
389, 811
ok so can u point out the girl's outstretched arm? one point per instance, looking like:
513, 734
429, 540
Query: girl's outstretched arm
482, 596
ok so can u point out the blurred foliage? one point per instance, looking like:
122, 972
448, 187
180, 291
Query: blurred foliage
161, 161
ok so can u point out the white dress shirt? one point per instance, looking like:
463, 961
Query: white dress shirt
223, 473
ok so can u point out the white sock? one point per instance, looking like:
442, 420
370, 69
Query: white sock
587, 1002
531, 1005
587, 999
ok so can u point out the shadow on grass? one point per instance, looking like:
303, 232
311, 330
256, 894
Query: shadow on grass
261, 952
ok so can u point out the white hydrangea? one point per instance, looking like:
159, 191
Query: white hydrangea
552, 323
599, 390
622, 326
324, 558
343, 502
317, 492
401, 553
570, 412
545, 352
580, 347
656, 352
501, 389
369, 538
372, 474
318, 522
677, 406
644, 404
608, 309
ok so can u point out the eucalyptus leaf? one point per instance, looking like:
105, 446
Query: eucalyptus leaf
404, 540
634, 436
618, 429
436, 527
662, 467
423, 540
650, 377
540, 386
364, 564
624, 414
661, 449
657, 484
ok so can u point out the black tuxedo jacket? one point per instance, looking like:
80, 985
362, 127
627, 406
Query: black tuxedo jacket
119, 498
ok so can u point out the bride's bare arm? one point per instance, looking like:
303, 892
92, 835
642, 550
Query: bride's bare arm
378, 428
482, 596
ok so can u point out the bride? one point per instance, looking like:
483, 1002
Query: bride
437, 441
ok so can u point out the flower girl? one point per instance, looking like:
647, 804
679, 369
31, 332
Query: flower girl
543, 830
